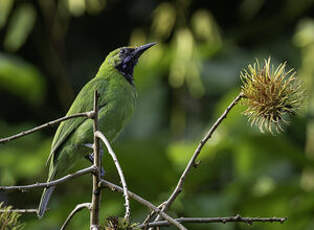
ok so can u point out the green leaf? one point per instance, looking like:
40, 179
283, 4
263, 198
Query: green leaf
5, 9
21, 79
21, 24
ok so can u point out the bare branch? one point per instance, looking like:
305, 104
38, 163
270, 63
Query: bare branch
113, 187
197, 151
120, 172
48, 124
78, 208
150, 216
31, 210
237, 218
51, 183
96, 195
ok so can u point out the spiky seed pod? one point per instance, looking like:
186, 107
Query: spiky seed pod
272, 95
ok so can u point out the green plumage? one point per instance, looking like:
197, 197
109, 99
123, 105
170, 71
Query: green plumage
114, 83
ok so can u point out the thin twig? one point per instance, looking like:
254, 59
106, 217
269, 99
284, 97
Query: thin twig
120, 172
78, 208
51, 183
114, 187
197, 151
31, 210
48, 124
96, 195
237, 218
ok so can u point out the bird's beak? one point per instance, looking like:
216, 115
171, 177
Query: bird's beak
140, 50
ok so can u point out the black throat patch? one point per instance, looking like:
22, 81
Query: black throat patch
128, 62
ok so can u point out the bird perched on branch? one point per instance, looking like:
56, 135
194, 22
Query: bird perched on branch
115, 85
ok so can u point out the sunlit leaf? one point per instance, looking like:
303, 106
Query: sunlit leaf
205, 26
20, 26
76, 7
21, 79
185, 66
164, 20
5, 9
207, 33
305, 33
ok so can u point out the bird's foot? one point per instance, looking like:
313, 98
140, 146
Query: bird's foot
90, 158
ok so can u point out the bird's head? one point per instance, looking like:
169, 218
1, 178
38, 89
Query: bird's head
124, 59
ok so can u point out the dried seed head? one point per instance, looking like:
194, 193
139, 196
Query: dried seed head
271, 95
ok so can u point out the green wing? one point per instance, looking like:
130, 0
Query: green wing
82, 103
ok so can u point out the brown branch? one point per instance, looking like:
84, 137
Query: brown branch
152, 213
51, 183
31, 210
96, 195
197, 151
120, 172
48, 124
237, 218
113, 187
78, 208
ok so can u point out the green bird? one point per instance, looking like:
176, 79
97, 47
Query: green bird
73, 138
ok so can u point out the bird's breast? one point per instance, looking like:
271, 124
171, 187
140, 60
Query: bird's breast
116, 113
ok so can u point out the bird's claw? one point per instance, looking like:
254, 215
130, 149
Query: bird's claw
90, 158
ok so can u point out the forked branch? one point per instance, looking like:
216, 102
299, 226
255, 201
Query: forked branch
113, 187
223, 220
96, 194
197, 151
78, 208
120, 172
48, 124
78, 173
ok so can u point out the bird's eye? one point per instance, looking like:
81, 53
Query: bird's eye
122, 51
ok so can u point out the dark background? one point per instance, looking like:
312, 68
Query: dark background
50, 49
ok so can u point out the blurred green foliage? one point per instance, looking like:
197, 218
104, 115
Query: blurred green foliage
50, 49
21, 79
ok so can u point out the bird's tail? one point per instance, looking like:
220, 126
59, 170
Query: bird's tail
44, 201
